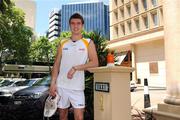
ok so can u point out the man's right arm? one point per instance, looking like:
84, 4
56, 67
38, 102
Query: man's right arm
55, 70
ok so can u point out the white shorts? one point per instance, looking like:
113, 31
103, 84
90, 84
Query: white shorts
75, 97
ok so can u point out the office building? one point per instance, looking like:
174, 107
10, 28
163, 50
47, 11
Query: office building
137, 34
54, 24
29, 8
95, 15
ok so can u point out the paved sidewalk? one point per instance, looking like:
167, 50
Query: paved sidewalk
141, 87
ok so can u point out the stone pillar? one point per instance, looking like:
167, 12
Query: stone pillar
170, 110
171, 14
134, 73
112, 99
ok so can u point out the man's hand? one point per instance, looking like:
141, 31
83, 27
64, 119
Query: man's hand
52, 89
71, 73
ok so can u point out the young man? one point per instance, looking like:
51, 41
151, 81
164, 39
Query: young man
74, 55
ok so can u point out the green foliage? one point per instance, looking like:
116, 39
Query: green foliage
55, 42
4, 4
66, 34
101, 44
62, 36
15, 37
41, 50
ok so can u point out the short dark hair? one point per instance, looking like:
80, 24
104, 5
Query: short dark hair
76, 16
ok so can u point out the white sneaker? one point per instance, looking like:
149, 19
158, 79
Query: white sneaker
50, 106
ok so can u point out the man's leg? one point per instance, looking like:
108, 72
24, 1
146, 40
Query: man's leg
78, 113
63, 114
63, 104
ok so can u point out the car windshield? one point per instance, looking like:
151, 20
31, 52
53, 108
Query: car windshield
24, 83
1, 81
43, 82
6, 83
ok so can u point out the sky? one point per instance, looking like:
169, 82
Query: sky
44, 7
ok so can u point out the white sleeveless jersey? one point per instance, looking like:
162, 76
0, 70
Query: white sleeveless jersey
73, 54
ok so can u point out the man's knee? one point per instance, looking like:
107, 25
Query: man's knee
79, 114
79, 117
63, 113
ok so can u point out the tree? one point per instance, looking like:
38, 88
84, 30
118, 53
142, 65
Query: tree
55, 42
101, 46
41, 51
15, 37
102, 51
4, 5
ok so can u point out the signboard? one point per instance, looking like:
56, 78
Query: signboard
102, 86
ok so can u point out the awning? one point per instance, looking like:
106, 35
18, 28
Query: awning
11, 68
121, 57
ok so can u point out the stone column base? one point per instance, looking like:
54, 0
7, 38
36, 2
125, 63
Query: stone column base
165, 112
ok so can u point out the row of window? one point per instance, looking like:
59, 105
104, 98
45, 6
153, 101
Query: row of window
139, 23
130, 9
144, 2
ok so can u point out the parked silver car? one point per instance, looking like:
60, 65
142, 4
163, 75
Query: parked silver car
7, 92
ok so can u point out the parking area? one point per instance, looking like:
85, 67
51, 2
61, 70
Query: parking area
156, 96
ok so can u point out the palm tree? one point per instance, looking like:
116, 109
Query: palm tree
102, 51
4, 5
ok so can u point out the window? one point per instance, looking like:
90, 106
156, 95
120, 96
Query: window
136, 7
144, 2
129, 26
116, 15
116, 30
43, 82
122, 12
122, 1
123, 29
115, 1
145, 20
128, 9
137, 24
154, 2
161, 10
155, 18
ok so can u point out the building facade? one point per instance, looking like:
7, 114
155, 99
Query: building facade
136, 27
54, 24
29, 8
96, 16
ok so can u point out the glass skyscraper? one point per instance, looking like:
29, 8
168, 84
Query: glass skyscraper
95, 14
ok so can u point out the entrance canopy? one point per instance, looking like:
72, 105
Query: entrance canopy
11, 68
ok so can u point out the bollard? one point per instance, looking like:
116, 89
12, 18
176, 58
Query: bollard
147, 102
139, 81
146, 94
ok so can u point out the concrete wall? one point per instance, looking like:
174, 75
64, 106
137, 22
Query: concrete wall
29, 7
151, 52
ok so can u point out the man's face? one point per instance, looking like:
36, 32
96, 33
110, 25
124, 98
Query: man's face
76, 26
